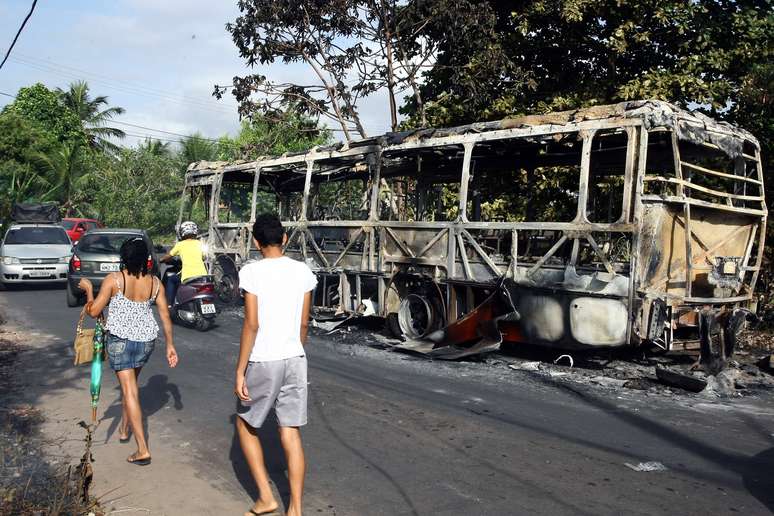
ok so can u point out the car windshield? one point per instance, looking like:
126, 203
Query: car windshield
68, 224
38, 235
109, 243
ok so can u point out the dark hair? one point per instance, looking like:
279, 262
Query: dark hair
134, 256
268, 229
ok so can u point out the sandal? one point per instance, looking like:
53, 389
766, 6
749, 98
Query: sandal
132, 459
253, 511
124, 439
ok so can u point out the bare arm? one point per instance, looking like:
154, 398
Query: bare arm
305, 316
94, 306
166, 324
246, 343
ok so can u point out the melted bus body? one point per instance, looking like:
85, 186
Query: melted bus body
628, 224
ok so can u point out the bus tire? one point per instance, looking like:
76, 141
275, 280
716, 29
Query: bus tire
226, 280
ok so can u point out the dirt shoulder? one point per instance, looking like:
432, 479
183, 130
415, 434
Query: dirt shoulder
50, 398
31, 480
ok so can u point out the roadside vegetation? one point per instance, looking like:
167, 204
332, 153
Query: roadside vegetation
60, 146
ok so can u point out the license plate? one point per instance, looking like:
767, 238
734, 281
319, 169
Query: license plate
208, 308
109, 267
39, 274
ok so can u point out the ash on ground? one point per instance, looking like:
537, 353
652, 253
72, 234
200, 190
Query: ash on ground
748, 373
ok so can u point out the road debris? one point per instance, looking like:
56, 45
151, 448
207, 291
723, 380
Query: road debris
747, 376
526, 366
606, 381
646, 466
680, 380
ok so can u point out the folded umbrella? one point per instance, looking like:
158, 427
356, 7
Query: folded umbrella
96, 368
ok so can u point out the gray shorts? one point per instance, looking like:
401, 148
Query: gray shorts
278, 384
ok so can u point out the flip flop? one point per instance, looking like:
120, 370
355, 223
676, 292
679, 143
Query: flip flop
252, 511
124, 439
138, 462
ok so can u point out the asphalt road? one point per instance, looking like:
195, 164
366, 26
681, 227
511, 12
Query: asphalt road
392, 434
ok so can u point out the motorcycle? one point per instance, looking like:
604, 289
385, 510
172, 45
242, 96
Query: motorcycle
194, 303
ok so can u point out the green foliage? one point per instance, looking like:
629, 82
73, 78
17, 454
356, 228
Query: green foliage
139, 189
54, 147
574, 53
93, 115
262, 136
197, 148
42, 107
21, 143
156, 148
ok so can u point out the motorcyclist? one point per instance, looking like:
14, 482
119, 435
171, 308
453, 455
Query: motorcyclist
191, 253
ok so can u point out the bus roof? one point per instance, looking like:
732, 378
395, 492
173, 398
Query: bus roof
690, 125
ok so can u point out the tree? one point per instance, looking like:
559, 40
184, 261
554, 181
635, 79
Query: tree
262, 136
138, 189
576, 53
67, 169
197, 148
21, 143
353, 48
43, 108
155, 147
93, 114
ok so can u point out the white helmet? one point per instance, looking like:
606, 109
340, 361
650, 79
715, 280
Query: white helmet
188, 228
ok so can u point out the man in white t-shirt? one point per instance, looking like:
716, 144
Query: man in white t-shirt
271, 371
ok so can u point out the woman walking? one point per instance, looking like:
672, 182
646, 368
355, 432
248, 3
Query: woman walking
128, 294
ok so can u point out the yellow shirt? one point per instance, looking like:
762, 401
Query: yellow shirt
190, 252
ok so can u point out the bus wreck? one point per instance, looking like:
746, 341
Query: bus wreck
623, 225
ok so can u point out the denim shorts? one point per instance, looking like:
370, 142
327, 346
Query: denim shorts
128, 354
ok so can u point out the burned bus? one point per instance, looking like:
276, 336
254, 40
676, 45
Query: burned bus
631, 224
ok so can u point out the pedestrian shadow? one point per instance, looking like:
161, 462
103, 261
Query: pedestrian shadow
273, 456
154, 396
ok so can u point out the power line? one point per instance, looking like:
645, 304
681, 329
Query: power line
153, 137
18, 33
20, 57
124, 88
164, 132
144, 127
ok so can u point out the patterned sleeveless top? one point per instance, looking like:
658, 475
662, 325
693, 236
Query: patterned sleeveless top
132, 320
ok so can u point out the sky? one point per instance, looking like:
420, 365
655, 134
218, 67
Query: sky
158, 59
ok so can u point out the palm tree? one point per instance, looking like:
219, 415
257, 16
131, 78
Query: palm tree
197, 148
65, 175
155, 147
93, 116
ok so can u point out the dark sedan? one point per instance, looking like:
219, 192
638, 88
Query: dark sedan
97, 254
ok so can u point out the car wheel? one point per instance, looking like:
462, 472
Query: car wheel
72, 299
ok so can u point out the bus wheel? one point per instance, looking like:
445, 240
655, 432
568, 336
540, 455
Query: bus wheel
393, 326
226, 281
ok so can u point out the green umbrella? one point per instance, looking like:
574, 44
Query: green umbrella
96, 368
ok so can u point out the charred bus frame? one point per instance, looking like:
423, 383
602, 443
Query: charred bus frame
660, 241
